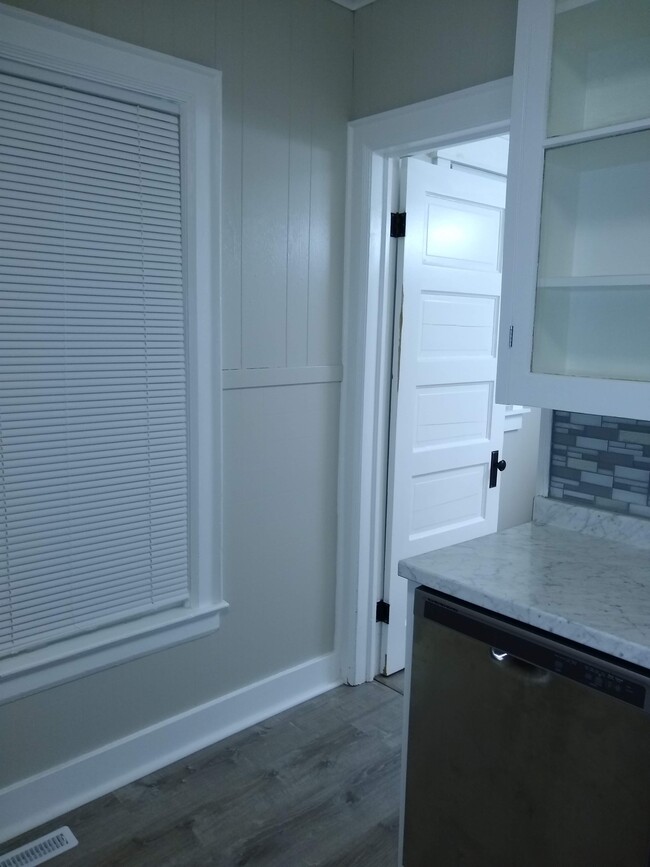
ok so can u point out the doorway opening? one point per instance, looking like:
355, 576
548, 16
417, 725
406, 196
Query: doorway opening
446, 431
374, 144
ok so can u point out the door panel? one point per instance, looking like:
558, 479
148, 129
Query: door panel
446, 414
443, 500
444, 422
458, 326
462, 234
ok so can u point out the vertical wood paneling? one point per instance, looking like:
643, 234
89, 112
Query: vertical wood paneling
195, 25
287, 88
77, 12
265, 160
300, 167
160, 32
332, 60
190, 25
286, 81
229, 41
122, 19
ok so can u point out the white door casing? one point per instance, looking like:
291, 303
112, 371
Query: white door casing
445, 424
374, 142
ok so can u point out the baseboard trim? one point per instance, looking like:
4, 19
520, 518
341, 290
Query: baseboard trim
29, 803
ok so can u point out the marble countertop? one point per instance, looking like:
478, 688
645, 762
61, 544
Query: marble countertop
578, 573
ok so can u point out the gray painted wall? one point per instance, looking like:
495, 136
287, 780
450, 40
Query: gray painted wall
287, 74
287, 79
519, 481
409, 50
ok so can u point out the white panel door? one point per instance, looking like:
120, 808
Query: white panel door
445, 424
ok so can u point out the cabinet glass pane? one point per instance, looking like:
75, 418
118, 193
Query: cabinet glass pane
597, 331
600, 74
592, 315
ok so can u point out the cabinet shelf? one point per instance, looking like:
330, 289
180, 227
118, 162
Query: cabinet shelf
594, 134
596, 212
577, 317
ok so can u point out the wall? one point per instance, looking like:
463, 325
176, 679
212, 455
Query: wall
409, 50
406, 51
518, 482
601, 461
287, 78
287, 75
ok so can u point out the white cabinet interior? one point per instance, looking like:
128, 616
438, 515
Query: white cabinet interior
600, 73
577, 257
593, 287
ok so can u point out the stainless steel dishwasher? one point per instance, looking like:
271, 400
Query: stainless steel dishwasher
524, 749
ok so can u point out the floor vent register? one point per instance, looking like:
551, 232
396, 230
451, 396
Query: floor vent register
41, 850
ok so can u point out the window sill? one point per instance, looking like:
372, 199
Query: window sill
49, 666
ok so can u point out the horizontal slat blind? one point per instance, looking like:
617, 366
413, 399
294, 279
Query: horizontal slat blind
93, 403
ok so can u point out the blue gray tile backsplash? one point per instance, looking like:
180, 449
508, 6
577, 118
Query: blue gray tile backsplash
601, 461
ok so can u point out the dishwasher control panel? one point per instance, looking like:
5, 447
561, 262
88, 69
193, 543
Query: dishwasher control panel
612, 683
537, 648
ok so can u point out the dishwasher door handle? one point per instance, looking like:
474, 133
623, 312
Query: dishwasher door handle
519, 667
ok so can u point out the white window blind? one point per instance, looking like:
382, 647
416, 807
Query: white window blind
93, 406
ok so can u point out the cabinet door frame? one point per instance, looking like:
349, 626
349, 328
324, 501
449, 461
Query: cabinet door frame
516, 383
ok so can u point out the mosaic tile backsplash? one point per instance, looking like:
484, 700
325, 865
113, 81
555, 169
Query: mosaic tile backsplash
601, 461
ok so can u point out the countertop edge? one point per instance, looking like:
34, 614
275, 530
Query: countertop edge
536, 574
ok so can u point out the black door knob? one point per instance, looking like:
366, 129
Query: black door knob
496, 465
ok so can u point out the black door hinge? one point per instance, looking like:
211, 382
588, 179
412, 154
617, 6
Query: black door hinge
398, 225
511, 334
383, 611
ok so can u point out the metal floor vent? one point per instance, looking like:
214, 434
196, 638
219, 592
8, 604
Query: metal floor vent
41, 850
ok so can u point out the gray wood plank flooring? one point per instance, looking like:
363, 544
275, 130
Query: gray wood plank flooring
394, 681
316, 786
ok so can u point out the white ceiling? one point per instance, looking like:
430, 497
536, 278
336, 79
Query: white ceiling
353, 4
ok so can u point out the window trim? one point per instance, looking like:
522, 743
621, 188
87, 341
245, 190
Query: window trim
61, 53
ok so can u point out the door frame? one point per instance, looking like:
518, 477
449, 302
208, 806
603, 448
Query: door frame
374, 143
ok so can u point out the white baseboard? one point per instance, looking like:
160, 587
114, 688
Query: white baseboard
38, 799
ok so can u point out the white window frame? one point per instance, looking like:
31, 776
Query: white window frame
63, 54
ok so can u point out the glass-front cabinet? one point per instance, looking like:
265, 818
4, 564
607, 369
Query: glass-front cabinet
575, 322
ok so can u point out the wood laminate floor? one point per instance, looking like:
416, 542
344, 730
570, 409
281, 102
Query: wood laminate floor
394, 681
316, 786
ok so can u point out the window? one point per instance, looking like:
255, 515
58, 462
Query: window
109, 410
